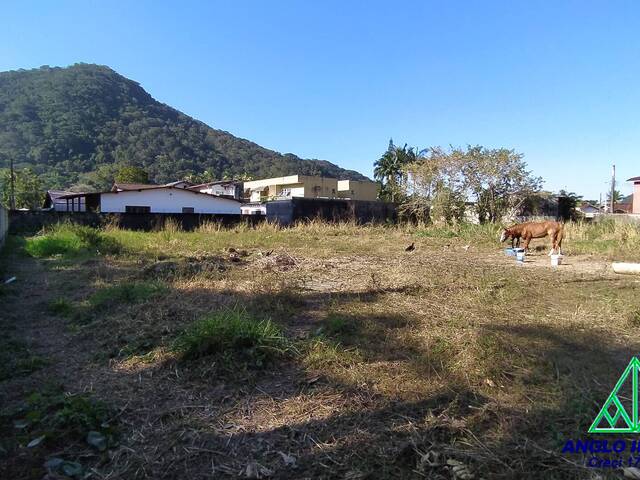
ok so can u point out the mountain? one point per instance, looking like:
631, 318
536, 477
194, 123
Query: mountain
76, 124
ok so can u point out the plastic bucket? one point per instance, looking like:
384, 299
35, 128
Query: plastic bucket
556, 260
520, 255
510, 252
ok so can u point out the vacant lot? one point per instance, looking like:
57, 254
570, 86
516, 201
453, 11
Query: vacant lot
312, 352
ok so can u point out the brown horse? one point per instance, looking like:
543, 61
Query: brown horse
530, 230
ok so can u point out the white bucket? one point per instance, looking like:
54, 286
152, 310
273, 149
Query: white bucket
556, 260
520, 256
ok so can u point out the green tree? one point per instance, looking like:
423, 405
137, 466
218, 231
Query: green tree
28, 191
498, 179
388, 169
131, 174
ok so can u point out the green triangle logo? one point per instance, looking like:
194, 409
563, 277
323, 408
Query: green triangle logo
614, 417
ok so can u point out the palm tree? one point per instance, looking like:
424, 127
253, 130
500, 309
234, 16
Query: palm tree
388, 168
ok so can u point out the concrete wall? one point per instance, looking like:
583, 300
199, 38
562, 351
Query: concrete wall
636, 198
4, 224
30, 222
168, 200
290, 211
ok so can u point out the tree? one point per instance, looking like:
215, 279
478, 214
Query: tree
131, 174
498, 179
388, 169
431, 188
27, 187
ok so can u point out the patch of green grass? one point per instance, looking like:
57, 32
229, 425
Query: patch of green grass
338, 326
69, 240
61, 307
235, 335
16, 359
320, 353
127, 292
51, 418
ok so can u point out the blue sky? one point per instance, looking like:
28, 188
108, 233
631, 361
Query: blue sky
555, 80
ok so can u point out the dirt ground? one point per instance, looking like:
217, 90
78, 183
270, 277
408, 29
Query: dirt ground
456, 363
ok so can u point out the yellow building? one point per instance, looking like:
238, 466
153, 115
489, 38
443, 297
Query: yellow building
357, 190
309, 187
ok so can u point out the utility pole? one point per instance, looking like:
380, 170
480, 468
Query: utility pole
12, 188
613, 188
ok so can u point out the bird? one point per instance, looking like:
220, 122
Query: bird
411, 247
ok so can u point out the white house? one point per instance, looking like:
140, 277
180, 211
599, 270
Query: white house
166, 199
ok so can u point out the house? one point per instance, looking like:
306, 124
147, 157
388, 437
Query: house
624, 205
589, 210
166, 199
139, 198
635, 204
291, 186
308, 186
56, 200
358, 190
223, 188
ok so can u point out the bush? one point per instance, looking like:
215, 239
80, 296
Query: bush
232, 333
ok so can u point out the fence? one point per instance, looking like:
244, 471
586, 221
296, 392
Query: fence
25, 222
4, 224
286, 212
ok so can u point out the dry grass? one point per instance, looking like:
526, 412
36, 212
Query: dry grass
450, 352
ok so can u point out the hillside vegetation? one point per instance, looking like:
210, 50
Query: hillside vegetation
72, 125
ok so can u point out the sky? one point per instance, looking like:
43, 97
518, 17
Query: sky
557, 81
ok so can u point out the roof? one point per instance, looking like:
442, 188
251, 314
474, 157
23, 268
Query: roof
55, 194
633, 179
133, 186
217, 182
169, 187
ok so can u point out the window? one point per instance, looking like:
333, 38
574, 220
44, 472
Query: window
187, 210
136, 209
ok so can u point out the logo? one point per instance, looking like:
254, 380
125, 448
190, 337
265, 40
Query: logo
619, 414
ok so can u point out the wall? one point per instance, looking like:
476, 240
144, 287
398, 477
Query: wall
167, 200
358, 190
292, 210
4, 224
30, 222
636, 198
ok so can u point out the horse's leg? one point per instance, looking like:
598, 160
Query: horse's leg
527, 239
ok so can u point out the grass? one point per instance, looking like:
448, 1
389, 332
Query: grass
61, 306
233, 334
57, 426
355, 357
125, 293
68, 239
17, 359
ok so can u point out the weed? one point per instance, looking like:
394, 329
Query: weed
320, 353
17, 360
68, 239
128, 292
61, 418
233, 333
338, 326
61, 307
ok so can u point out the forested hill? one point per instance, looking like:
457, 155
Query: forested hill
74, 125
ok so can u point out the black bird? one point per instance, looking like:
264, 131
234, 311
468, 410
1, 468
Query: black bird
410, 248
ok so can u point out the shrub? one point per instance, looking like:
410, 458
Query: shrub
232, 333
